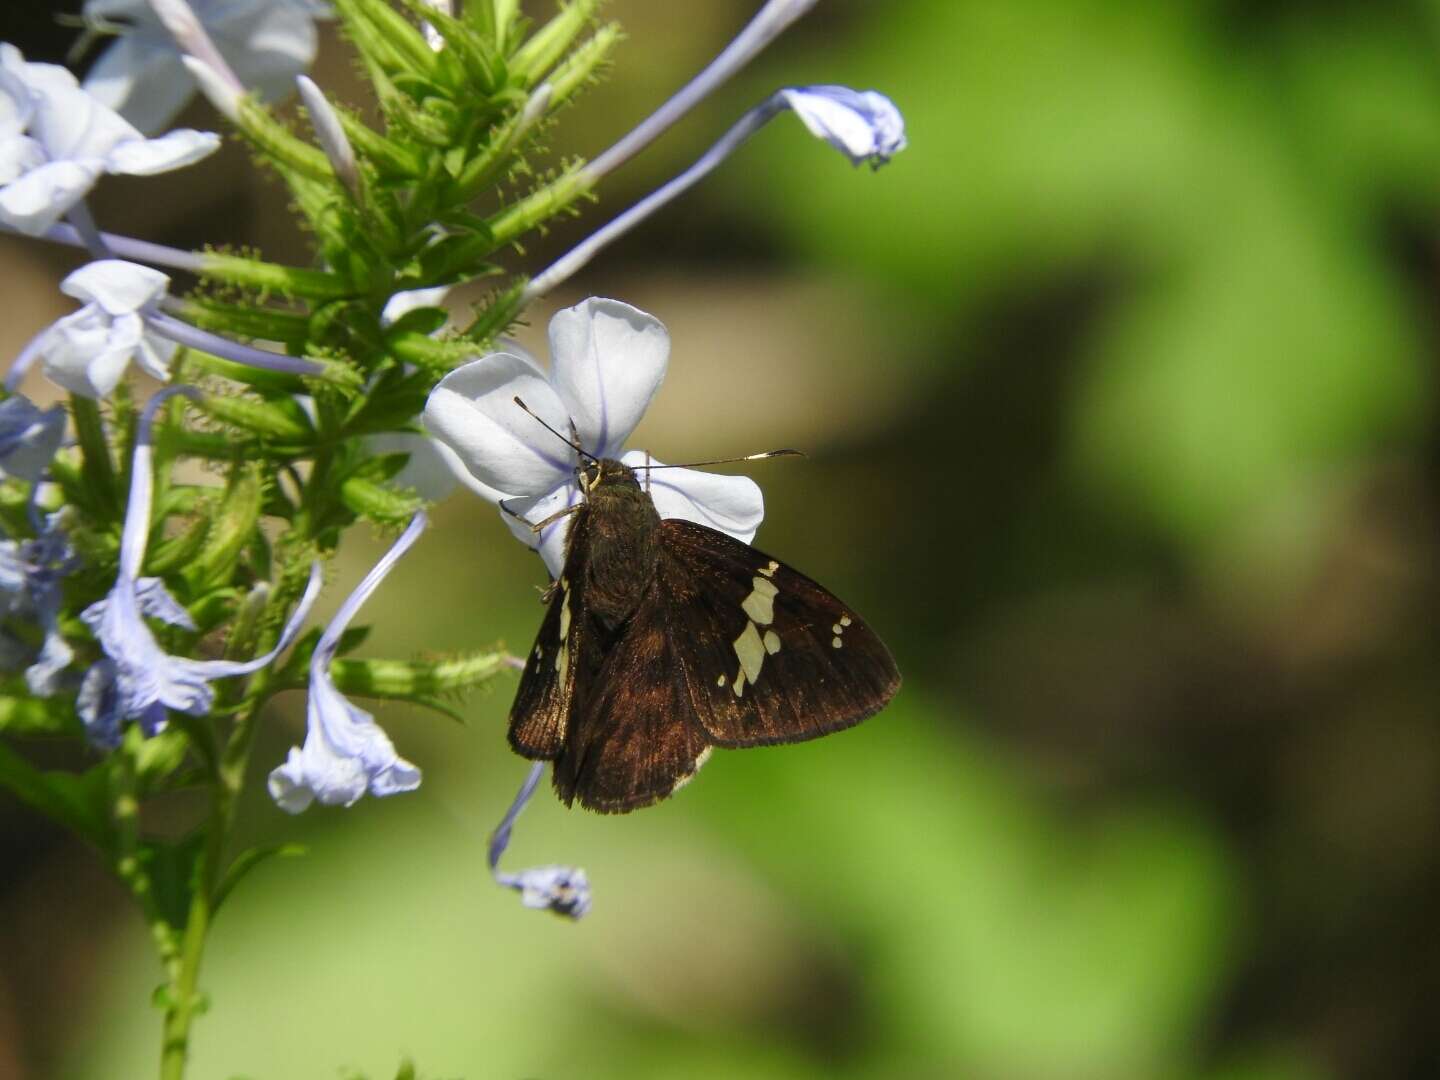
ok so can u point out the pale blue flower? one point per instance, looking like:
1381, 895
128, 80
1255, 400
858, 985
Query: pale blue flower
608, 360
864, 125
29, 437
56, 141
266, 43
89, 351
346, 754
32, 574
564, 890
138, 680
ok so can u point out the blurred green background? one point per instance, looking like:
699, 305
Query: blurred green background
1118, 389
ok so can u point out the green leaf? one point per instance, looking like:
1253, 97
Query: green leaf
247, 861
377, 502
157, 757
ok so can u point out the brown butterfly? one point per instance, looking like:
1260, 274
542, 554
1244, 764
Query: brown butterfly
664, 639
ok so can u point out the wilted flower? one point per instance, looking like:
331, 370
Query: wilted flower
864, 125
87, 352
608, 361
32, 573
140, 75
565, 890
56, 141
29, 437
346, 753
138, 680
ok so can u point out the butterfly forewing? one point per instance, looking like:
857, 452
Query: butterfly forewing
767, 655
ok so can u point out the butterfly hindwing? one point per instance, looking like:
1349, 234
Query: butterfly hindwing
768, 656
633, 740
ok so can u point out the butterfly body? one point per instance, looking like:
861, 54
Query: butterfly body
664, 638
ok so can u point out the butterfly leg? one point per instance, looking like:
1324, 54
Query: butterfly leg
535, 528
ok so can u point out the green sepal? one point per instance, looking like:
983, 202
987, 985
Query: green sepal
403, 39
79, 801
582, 65
213, 609
296, 672
230, 529
276, 142
97, 470
247, 861
29, 716
497, 315
239, 320
377, 502
291, 281
422, 320
274, 382
176, 552
550, 42
269, 418
389, 158
542, 204
457, 258
484, 70
412, 680
437, 357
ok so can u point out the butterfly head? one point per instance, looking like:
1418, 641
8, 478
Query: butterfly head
604, 474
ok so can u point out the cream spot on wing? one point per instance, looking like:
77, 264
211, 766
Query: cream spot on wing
750, 651
720, 681
565, 616
760, 604
740, 683
769, 571
835, 643
539, 653
772, 642
837, 629
562, 661
844, 620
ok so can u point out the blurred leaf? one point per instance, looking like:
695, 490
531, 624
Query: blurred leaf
247, 861
80, 801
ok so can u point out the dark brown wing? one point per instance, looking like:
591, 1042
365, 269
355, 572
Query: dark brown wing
564, 654
768, 656
633, 739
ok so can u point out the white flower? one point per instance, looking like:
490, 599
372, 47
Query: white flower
29, 437
140, 75
608, 361
862, 125
32, 576
88, 352
138, 680
433, 470
56, 141
346, 753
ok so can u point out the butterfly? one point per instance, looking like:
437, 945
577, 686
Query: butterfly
663, 639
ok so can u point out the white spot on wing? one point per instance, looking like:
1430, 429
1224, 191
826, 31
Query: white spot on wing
844, 620
760, 604
704, 757
835, 643
750, 651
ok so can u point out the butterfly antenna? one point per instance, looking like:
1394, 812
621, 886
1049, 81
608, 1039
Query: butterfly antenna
728, 460
568, 442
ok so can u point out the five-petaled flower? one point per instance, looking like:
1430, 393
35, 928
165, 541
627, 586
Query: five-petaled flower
608, 360
32, 575
88, 351
56, 141
346, 753
864, 125
138, 680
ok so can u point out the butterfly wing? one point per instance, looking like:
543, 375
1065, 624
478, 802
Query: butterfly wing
565, 656
634, 739
767, 655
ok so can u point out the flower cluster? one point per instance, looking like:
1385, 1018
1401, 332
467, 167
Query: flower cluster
155, 610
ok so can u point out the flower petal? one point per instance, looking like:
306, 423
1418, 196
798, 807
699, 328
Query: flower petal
29, 438
428, 472
145, 84
549, 541
45, 194
146, 157
117, 286
473, 411
608, 359
730, 504
864, 126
